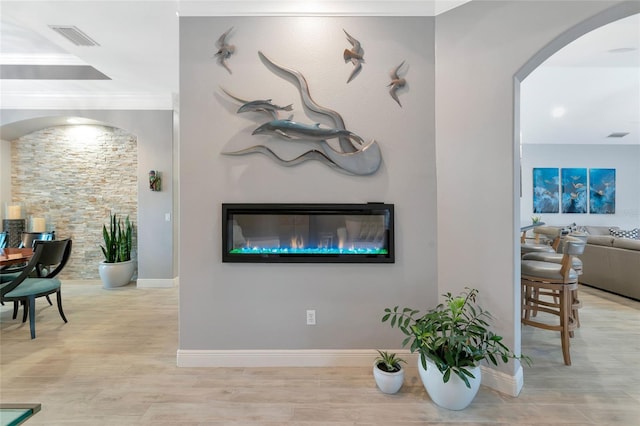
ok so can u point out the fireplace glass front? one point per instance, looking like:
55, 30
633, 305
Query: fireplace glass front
308, 233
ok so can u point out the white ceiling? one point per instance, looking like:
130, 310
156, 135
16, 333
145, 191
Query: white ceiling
596, 78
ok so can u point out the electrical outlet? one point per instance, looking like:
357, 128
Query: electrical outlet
311, 317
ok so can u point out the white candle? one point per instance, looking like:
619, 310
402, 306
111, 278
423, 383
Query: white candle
14, 212
38, 224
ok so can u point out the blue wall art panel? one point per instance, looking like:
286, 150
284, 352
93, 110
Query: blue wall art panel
574, 190
546, 195
602, 191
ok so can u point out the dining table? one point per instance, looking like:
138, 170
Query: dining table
12, 256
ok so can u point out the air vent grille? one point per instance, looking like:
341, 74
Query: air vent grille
618, 135
74, 35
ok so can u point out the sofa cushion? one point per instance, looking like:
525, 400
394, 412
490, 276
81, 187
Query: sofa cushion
599, 230
600, 240
621, 233
626, 243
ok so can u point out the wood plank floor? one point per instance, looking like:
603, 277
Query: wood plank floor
114, 363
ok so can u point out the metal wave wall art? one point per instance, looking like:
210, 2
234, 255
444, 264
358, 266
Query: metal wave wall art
355, 156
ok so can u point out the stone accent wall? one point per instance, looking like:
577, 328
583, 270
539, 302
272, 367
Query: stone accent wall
74, 176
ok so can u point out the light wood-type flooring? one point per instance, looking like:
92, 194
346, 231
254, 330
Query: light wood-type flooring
114, 363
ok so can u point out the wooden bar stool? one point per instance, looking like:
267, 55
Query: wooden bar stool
576, 265
549, 287
537, 246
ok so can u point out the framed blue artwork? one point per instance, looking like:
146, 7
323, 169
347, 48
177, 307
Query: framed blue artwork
546, 198
602, 191
574, 190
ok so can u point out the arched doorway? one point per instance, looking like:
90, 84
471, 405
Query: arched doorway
73, 176
602, 19
157, 264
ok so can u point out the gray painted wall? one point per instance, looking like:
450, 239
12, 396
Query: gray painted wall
155, 144
624, 158
480, 48
262, 306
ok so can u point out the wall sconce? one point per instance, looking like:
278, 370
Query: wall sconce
155, 180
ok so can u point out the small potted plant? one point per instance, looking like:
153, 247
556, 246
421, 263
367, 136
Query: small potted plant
452, 339
388, 372
117, 268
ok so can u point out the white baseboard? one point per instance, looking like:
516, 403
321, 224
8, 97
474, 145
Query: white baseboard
277, 358
494, 379
502, 382
155, 283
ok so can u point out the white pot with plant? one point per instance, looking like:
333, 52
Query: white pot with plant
117, 269
388, 372
452, 339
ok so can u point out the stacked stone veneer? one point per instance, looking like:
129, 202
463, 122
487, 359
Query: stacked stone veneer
74, 176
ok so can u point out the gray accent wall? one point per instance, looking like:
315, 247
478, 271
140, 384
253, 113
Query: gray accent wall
263, 306
450, 166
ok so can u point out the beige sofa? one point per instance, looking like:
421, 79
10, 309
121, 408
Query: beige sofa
611, 263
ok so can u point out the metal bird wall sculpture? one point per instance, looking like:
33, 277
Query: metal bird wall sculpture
225, 50
355, 55
396, 83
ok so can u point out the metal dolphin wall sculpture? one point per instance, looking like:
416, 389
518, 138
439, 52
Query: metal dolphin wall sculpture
292, 130
258, 105
355, 156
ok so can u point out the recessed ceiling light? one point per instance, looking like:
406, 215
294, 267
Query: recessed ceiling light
558, 112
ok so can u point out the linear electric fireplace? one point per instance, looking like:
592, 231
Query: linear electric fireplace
308, 233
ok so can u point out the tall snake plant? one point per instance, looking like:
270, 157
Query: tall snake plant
117, 240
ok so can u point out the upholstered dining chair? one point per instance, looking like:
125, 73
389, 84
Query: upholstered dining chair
549, 287
49, 258
28, 238
3, 239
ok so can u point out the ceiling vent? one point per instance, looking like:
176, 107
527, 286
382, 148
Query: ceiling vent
74, 35
618, 135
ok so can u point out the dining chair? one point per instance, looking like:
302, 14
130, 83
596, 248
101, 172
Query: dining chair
49, 258
540, 280
3, 239
28, 238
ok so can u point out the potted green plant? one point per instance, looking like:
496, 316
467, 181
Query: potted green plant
388, 372
452, 339
117, 268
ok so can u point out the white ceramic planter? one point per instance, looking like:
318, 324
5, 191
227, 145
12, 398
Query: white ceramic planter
388, 382
453, 395
116, 274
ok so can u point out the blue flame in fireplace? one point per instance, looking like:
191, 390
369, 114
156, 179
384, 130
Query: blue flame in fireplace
307, 251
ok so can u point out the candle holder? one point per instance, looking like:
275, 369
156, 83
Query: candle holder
14, 210
14, 229
37, 224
